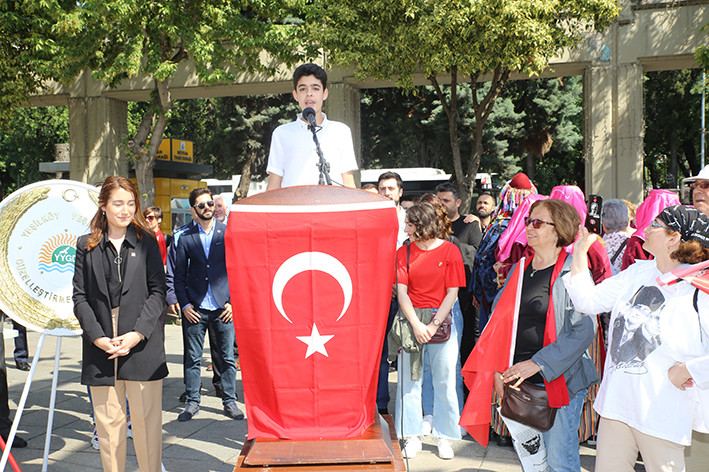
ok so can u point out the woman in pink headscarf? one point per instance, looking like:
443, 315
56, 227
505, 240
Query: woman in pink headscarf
656, 201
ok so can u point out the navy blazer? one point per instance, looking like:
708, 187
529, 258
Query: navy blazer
194, 273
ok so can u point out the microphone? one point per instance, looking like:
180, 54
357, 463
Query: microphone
309, 115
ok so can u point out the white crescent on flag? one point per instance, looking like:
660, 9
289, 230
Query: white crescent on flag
306, 261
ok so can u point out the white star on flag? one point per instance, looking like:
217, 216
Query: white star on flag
315, 342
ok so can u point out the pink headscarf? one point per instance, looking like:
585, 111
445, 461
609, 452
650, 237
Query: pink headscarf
515, 232
653, 204
572, 195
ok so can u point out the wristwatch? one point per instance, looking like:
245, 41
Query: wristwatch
436, 322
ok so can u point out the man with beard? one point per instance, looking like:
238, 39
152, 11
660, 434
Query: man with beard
205, 302
484, 208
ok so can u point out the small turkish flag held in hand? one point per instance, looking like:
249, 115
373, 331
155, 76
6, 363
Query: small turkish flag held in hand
310, 289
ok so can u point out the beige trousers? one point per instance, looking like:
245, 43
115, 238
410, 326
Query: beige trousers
618, 446
145, 400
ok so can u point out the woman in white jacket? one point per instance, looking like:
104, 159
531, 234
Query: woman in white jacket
656, 374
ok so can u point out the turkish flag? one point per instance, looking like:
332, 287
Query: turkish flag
310, 289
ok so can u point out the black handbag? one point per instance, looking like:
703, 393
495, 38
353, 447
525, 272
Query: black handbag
528, 404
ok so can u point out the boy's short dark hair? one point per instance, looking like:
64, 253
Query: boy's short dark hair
310, 69
448, 187
198, 192
390, 175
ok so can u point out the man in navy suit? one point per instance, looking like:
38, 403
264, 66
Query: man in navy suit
202, 290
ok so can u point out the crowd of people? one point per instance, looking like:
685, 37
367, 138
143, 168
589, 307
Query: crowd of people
517, 292
567, 311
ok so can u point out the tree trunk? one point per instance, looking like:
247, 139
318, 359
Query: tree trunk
482, 110
242, 190
530, 166
144, 158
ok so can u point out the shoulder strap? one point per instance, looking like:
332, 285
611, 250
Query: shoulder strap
408, 254
619, 250
695, 299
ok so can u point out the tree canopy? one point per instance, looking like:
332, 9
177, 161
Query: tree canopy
461, 40
120, 39
27, 47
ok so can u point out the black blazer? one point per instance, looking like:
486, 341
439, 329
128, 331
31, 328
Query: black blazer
192, 265
141, 309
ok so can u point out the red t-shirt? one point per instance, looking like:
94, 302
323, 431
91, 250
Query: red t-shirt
430, 273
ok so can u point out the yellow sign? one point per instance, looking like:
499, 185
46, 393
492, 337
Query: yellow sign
182, 150
163, 151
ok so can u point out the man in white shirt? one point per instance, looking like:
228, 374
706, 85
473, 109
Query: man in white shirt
293, 159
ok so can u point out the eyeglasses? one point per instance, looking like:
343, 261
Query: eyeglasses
201, 205
150, 217
703, 185
655, 224
536, 222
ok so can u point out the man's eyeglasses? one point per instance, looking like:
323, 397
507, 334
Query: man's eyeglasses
703, 185
536, 222
201, 205
150, 217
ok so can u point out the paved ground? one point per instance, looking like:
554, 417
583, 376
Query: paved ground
209, 442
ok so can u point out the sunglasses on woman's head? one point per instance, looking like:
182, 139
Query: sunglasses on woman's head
201, 205
536, 222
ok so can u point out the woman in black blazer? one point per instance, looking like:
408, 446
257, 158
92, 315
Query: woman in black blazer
119, 296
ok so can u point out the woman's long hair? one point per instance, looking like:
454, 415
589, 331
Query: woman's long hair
99, 224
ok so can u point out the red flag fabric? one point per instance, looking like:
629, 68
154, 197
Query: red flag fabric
494, 350
310, 289
696, 274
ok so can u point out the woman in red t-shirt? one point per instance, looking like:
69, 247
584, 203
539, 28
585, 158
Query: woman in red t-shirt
429, 272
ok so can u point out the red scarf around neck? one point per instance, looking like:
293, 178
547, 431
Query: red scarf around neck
493, 350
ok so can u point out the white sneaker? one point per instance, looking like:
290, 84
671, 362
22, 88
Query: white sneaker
411, 447
445, 451
427, 424
94, 440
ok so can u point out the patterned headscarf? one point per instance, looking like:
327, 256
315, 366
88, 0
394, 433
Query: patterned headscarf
690, 223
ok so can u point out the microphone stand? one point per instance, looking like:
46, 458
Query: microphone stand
323, 165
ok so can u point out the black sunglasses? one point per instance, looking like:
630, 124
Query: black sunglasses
536, 222
201, 205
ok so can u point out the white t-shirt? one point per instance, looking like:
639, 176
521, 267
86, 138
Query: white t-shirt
651, 329
401, 236
293, 155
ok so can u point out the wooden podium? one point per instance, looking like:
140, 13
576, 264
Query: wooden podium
377, 449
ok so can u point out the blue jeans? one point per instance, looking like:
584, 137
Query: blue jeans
194, 347
407, 417
427, 389
562, 440
383, 381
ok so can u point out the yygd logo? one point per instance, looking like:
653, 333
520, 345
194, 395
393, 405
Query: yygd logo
58, 254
